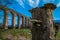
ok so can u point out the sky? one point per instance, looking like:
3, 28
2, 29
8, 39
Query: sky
22, 6
29, 4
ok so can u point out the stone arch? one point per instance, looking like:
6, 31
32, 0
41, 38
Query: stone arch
26, 22
18, 21
1, 18
9, 20
13, 19
5, 18
21, 19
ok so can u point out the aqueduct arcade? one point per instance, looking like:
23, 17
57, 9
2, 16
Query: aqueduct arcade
25, 20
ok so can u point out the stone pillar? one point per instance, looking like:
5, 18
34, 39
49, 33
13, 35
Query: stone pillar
26, 22
18, 21
50, 23
43, 30
29, 23
5, 19
23, 24
13, 20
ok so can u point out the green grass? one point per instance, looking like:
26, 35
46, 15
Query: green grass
20, 32
15, 32
58, 35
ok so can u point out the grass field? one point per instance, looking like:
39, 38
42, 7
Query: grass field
13, 33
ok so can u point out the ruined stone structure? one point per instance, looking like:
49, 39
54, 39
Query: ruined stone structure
14, 14
42, 22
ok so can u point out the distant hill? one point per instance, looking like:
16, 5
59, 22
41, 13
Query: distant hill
57, 21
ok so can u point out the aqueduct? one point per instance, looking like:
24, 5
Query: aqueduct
25, 20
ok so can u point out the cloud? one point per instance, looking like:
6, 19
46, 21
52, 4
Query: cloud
48, 1
58, 5
21, 3
33, 3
